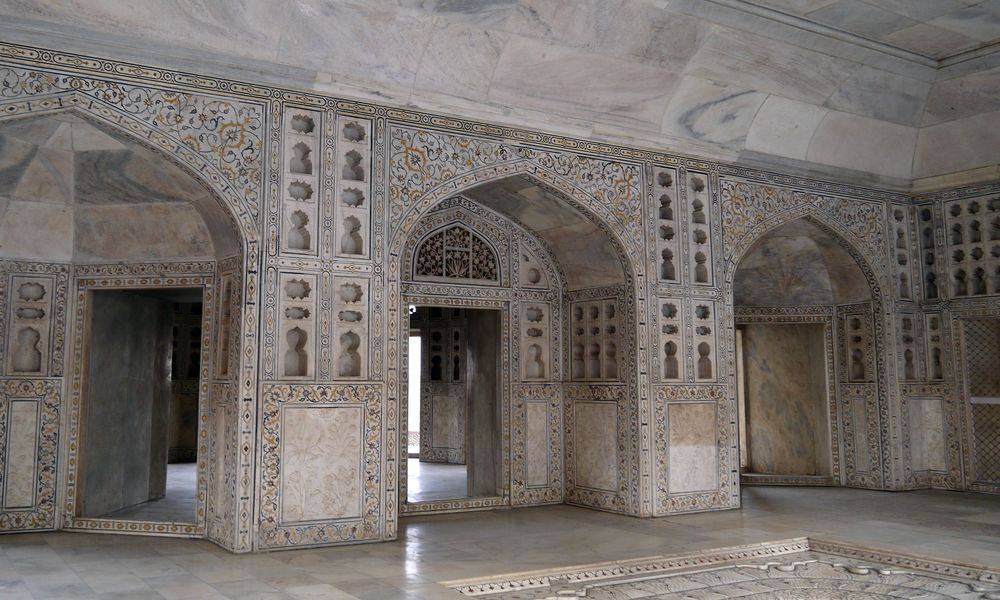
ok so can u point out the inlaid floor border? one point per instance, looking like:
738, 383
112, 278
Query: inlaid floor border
715, 557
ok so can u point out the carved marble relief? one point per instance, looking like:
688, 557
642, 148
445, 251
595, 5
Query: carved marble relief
699, 215
301, 170
972, 246
595, 340
297, 332
335, 190
29, 440
351, 330
322, 464
353, 191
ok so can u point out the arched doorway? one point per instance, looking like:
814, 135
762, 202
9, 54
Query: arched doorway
805, 336
563, 291
153, 261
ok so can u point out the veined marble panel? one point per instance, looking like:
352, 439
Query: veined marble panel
693, 465
787, 405
859, 409
321, 463
927, 434
536, 443
22, 448
596, 445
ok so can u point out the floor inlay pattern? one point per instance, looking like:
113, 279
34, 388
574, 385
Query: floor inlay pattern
799, 569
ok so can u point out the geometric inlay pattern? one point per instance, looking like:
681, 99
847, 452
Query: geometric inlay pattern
986, 437
799, 569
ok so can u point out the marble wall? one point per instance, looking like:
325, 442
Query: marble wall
787, 408
303, 377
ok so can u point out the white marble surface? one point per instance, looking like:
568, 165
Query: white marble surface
956, 526
99, 198
685, 76
320, 463
693, 455
536, 443
596, 445
22, 447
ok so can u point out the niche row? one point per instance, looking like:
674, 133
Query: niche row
28, 340
671, 357
350, 326
928, 251
699, 226
858, 345
353, 186
667, 229
908, 341
901, 245
671, 341
972, 235
594, 340
300, 182
303, 172
935, 350
535, 341
668, 216
445, 345
298, 330
704, 340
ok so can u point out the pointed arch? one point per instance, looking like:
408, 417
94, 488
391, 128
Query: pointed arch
163, 142
616, 213
869, 265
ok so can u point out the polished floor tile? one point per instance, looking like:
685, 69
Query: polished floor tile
945, 525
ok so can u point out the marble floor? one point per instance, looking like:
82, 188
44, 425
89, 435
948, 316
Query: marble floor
435, 481
946, 525
177, 506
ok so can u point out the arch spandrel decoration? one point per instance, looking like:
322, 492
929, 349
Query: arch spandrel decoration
427, 166
749, 210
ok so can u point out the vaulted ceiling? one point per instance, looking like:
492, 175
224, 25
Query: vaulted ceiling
71, 191
584, 251
887, 92
798, 264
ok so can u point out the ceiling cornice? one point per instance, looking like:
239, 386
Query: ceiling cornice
751, 8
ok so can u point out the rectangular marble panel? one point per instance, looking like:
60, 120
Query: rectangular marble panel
862, 457
595, 443
927, 443
536, 443
22, 450
321, 463
444, 421
786, 400
693, 454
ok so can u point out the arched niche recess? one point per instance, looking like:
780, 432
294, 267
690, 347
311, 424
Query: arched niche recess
591, 270
808, 312
119, 204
